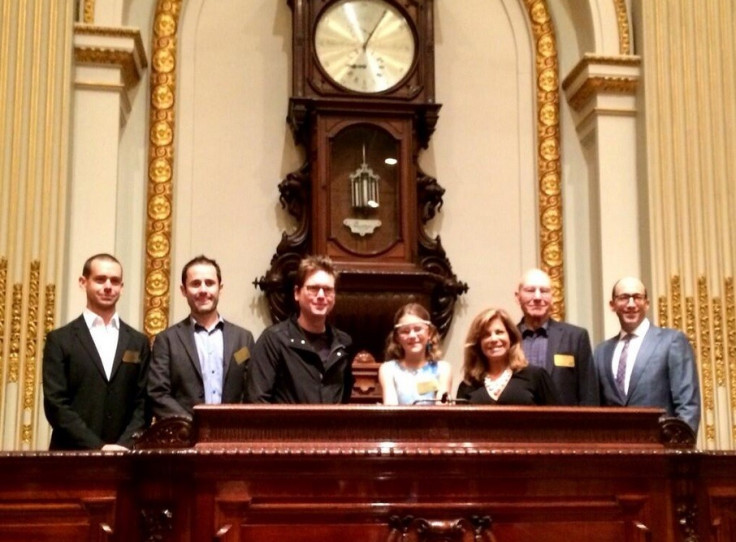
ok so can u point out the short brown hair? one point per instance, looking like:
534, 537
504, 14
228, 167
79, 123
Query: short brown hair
309, 265
394, 350
200, 260
475, 364
87, 267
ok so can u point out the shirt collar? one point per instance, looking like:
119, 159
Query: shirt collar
92, 319
541, 330
639, 332
217, 325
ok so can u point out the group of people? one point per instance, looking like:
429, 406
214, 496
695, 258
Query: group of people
103, 384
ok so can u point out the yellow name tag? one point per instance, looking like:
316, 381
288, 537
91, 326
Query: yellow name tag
427, 386
131, 356
241, 355
564, 360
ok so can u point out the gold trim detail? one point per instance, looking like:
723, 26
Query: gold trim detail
160, 166
705, 356
631, 61
113, 57
622, 18
15, 325
600, 84
718, 349
113, 32
49, 317
548, 133
731, 345
29, 363
662, 311
3, 292
88, 12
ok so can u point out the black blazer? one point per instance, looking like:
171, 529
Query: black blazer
84, 409
175, 382
570, 363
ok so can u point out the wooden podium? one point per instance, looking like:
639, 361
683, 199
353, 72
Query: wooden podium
389, 474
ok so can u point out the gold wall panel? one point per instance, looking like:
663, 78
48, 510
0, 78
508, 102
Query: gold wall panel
548, 142
160, 167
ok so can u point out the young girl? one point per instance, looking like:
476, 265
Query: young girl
412, 372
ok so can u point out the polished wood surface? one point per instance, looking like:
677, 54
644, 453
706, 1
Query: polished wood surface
362, 473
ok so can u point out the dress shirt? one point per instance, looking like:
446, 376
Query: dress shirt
105, 337
637, 336
210, 352
534, 343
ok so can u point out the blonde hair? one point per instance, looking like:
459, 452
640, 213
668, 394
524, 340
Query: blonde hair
394, 350
475, 363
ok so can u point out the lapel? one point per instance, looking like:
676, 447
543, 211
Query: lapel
185, 332
85, 339
554, 339
608, 347
646, 351
228, 349
123, 337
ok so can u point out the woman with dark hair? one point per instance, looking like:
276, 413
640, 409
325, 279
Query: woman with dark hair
412, 372
495, 368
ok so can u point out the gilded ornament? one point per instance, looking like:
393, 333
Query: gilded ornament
158, 245
546, 46
548, 79
539, 13
676, 302
159, 207
159, 171
551, 219
165, 25
718, 342
157, 283
548, 115
162, 97
662, 311
549, 149
552, 255
161, 133
622, 18
550, 184
156, 320
88, 12
15, 327
49, 319
163, 61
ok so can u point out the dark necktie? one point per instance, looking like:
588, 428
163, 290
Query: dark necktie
621, 372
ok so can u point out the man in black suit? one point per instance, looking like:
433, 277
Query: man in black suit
94, 369
203, 358
562, 349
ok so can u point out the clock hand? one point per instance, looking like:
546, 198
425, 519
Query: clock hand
365, 43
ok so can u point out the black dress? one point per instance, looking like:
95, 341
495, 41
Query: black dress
528, 386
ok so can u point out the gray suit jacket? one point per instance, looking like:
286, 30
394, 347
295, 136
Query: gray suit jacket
664, 375
175, 382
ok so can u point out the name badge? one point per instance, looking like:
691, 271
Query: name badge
564, 360
131, 356
241, 355
427, 386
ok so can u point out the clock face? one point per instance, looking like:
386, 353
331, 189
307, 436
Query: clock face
364, 45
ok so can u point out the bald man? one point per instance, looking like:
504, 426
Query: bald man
562, 349
646, 365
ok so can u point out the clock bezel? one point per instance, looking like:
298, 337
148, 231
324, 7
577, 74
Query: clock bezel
408, 87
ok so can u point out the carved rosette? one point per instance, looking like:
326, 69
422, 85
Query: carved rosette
440, 530
548, 135
169, 433
676, 433
160, 167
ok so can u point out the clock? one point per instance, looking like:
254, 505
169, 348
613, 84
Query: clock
363, 107
364, 45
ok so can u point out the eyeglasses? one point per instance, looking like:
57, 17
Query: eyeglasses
624, 298
313, 290
407, 330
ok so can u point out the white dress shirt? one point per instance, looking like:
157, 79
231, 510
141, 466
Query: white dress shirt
637, 336
104, 336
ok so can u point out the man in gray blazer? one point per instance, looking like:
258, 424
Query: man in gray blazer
646, 365
203, 358
562, 349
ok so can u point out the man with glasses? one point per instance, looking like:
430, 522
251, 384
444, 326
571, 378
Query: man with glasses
304, 359
646, 365
562, 349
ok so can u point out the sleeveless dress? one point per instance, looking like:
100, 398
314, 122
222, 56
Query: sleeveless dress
414, 385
